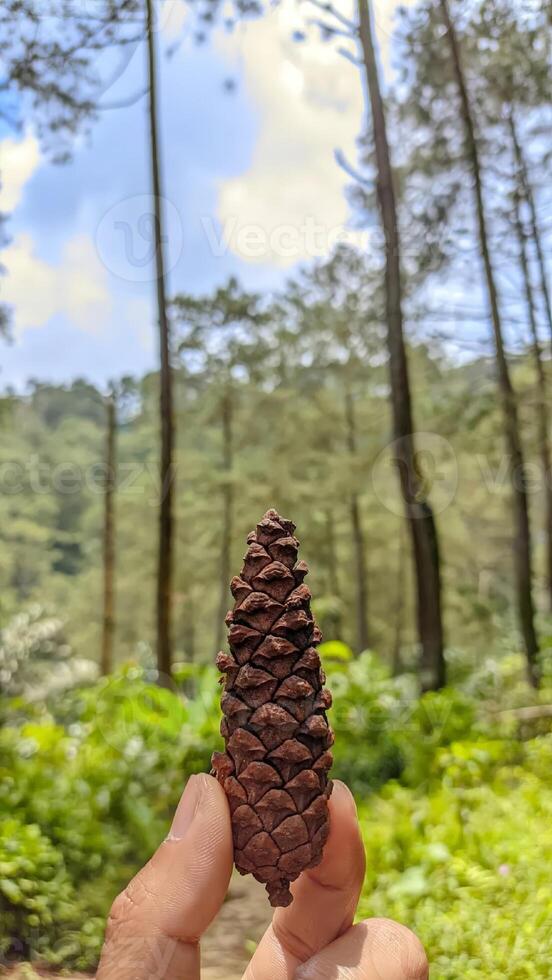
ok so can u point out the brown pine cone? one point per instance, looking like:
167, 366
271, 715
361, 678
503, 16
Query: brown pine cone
275, 768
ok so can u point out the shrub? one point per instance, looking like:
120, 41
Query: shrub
368, 713
458, 835
383, 729
466, 866
88, 788
35, 659
40, 912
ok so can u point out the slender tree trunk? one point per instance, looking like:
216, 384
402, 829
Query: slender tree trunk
108, 619
543, 418
186, 637
358, 542
418, 511
188, 628
187, 632
165, 553
522, 541
227, 513
396, 662
333, 572
535, 230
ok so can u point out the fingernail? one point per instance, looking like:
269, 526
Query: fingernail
345, 794
186, 809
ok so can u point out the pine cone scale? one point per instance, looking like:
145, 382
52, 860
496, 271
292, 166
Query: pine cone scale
275, 767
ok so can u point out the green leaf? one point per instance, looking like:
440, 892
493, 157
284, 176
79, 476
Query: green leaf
336, 650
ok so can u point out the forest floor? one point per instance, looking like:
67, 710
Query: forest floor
228, 944
226, 947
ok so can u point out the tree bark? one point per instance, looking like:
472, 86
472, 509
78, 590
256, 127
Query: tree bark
108, 618
358, 541
189, 628
418, 511
543, 418
535, 229
396, 661
165, 546
227, 514
333, 572
522, 540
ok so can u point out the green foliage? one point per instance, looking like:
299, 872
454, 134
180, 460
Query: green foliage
99, 774
290, 409
436, 720
41, 913
368, 714
466, 866
383, 730
335, 650
449, 799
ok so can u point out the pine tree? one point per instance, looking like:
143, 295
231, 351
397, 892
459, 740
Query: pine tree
512, 72
333, 316
543, 412
358, 536
108, 618
164, 638
522, 546
418, 510
509, 48
536, 233
222, 333
440, 61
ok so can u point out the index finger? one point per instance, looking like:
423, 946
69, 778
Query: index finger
325, 899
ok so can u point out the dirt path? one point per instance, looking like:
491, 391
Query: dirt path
225, 948
228, 944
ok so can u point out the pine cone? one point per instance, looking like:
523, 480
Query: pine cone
275, 767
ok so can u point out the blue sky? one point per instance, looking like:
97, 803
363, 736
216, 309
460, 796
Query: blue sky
251, 189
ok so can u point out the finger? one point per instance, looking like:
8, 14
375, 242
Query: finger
377, 949
324, 899
154, 927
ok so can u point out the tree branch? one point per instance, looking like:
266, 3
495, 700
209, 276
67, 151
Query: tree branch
328, 8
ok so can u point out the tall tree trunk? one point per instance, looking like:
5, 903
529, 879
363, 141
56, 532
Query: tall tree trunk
535, 230
543, 418
522, 540
108, 618
165, 553
333, 572
396, 662
189, 626
418, 511
359, 544
227, 512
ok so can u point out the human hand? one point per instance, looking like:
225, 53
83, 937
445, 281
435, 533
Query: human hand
155, 925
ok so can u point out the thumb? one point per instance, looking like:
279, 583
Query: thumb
155, 925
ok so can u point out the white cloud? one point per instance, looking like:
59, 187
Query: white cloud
18, 161
38, 290
139, 314
290, 204
171, 17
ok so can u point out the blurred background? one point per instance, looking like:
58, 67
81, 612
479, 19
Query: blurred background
291, 255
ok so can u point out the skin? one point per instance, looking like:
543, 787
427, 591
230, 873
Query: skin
155, 925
